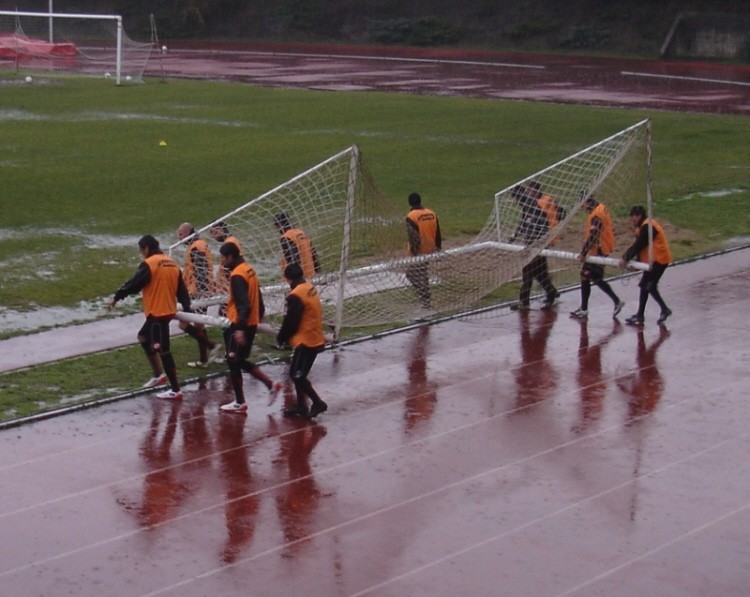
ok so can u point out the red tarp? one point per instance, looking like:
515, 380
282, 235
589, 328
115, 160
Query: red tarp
12, 46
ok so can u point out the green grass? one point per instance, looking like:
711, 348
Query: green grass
98, 376
84, 156
84, 174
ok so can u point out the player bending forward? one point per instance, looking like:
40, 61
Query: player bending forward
244, 311
303, 329
160, 280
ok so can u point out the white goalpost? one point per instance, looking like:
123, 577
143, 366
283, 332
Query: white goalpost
91, 44
360, 236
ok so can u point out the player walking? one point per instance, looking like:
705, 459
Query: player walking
303, 329
198, 273
244, 311
533, 225
648, 232
424, 236
296, 247
159, 278
599, 241
219, 231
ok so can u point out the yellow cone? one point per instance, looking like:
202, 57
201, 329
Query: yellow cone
162, 143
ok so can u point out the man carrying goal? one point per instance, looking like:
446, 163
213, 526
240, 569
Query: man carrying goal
219, 231
599, 240
648, 232
423, 233
533, 225
198, 274
159, 279
244, 311
296, 247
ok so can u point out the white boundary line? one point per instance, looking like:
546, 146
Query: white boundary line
683, 78
562, 510
657, 549
363, 57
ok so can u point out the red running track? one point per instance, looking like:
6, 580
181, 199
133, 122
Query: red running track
502, 454
653, 84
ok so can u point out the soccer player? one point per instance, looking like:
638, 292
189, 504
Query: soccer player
303, 329
219, 231
245, 310
198, 273
423, 233
548, 204
599, 240
648, 232
296, 247
159, 279
534, 224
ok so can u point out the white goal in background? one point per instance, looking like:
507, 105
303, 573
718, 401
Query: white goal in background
360, 236
87, 44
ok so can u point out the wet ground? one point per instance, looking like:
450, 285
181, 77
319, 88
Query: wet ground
500, 454
504, 453
667, 85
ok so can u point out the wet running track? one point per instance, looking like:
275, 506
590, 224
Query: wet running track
655, 84
500, 454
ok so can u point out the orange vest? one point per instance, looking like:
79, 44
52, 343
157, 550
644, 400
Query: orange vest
662, 252
223, 274
246, 271
191, 281
426, 223
310, 332
549, 206
160, 294
607, 237
304, 247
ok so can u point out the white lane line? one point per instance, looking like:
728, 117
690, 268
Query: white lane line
372, 58
657, 549
548, 516
683, 78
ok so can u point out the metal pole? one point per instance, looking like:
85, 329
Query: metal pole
119, 51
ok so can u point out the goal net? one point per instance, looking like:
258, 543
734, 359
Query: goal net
360, 236
87, 44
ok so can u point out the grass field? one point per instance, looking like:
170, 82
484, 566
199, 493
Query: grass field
84, 174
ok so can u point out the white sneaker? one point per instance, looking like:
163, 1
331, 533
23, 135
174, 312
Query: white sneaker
217, 354
169, 395
233, 407
618, 308
198, 364
273, 392
156, 381
580, 313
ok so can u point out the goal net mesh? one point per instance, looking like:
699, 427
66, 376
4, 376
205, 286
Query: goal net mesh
360, 236
36, 42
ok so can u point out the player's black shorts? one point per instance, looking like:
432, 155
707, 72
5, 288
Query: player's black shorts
241, 353
592, 271
651, 278
303, 359
155, 331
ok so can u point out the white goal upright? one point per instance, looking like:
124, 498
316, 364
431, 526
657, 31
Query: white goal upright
91, 44
360, 236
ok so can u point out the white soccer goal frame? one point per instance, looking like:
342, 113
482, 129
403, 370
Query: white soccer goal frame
59, 15
634, 265
362, 282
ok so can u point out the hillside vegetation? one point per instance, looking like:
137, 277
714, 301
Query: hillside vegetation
637, 27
